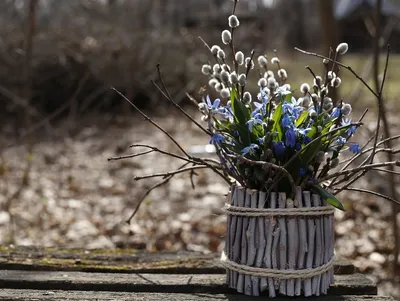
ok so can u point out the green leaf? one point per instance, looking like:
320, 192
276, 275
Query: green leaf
328, 197
302, 117
242, 115
276, 118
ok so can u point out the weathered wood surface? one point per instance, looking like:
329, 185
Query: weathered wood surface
120, 261
354, 284
25, 295
31, 273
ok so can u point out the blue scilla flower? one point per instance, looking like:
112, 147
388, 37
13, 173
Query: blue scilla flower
282, 90
354, 148
257, 119
306, 140
251, 149
302, 132
290, 136
287, 107
302, 172
217, 139
335, 112
287, 121
212, 106
279, 148
352, 129
341, 140
260, 107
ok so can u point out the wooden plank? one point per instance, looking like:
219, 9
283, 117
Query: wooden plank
354, 284
25, 295
120, 261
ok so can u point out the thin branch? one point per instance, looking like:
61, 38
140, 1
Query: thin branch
360, 168
369, 192
147, 118
170, 173
339, 64
130, 156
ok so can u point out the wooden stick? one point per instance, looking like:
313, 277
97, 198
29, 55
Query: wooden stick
270, 258
263, 228
245, 245
232, 221
253, 244
310, 242
282, 242
293, 247
240, 199
316, 280
302, 241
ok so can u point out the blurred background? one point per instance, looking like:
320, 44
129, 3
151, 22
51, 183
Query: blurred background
60, 121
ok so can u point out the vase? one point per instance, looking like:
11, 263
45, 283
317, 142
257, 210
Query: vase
277, 244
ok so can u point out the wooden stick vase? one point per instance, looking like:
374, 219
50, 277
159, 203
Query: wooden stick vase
277, 244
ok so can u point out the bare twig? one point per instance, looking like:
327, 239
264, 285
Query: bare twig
369, 192
171, 173
130, 156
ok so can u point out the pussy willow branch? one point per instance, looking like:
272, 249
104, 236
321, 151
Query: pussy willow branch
147, 118
369, 192
163, 182
342, 65
267, 165
170, 173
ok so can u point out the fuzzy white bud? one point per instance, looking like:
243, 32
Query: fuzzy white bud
226, 67
304, 88
214, 49
212, 82
271, 83
226, 37
239, 57
247, 97
224, 76
336, 82
234, 78
221, 54
217, 69
346, 109
242, 79
262, 61
269, 74
218, 87
203, 107
225, 93
274, 60
318, 81
320, 157
262, 82
282, 74
249, 63
306, 102
325, 61
206, 69
331, 75
342, 48
313, 114
233, 21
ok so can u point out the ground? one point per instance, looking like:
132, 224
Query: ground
74, 197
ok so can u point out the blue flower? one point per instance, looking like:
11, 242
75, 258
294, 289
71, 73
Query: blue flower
251, 149
306, 140
354, 148
335, 112
287, 107
213, 106
341, 140
297, 146
346, 122
282, 90
290, 136
287, 121
217, 138
279, 148
302, 172
303, 132
257, 119
260, 107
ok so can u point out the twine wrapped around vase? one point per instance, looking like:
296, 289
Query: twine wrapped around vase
278, 244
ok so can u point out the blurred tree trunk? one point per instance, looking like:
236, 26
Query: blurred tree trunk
329, 32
